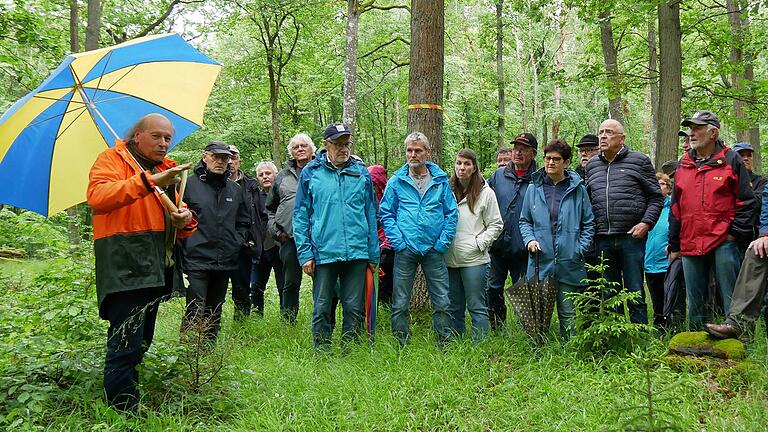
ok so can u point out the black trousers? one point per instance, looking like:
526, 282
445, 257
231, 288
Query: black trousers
269, 260
655, 282
499, 268
292, 273
131, 316
206, 293
241, 284
387, 264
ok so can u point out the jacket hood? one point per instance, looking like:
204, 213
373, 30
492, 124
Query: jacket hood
719, 152
574, 179
321, 159
201, 170
378, 175
510, 171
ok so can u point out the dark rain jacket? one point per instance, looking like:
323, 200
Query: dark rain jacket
510, 191
223, 222
254, 201
129, 227
709, 202
624, 192
758, 186
562, 254
281, 200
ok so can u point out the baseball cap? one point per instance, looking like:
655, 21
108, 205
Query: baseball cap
335, 131
526, 139
702, 118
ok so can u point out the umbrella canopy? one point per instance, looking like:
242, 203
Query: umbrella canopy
371, 301
534, 302
51, 137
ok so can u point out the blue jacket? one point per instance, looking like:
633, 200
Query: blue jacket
561, 256
510, 191
655, 254
415, 222
335, 215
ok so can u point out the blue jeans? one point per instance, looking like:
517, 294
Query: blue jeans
625, 255
351, 282
466, 291
725, 260
436, 275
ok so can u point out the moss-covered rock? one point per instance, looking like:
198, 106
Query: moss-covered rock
702, 344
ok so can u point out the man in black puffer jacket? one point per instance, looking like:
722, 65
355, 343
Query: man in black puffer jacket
210, 255
627, 202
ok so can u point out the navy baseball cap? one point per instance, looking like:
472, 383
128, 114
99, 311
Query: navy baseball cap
335, 131
742, 146
702, 118
218, 147
526, 139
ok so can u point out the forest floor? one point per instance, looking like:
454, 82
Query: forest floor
266, 376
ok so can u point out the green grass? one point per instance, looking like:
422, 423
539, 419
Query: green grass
274, 380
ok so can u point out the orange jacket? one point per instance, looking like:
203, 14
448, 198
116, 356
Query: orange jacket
128, 225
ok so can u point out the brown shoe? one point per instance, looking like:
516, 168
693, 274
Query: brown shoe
722, 331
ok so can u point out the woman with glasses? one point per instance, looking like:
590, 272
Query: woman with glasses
656, 262
557, 225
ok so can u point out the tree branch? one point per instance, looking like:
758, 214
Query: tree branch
399, 38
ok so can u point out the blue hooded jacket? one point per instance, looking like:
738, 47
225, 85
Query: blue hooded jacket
561, 256
334, 218
656, 260
415, 222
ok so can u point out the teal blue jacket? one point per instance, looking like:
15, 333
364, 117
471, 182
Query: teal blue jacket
334, 219
562, 255
419, 223
656, 246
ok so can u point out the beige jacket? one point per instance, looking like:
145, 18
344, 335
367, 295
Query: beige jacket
475, 232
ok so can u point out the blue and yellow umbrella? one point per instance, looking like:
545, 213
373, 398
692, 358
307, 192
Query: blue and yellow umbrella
50, 138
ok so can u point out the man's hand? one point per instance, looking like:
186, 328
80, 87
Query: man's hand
673, 256
730, 237
759, 246
533, 246
181, 219
640, 230
282, 237
309, 267
372, 266
168, 177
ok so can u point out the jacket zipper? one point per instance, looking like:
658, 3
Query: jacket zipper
607, 207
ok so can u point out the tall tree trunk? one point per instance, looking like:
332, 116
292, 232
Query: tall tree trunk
74, 27
350, 64
94, 25
611, 67
500, 71
274, 89
425, 81
535, 75
521, 84
425, 86
385, 130
670, 81
559, 60
653, 87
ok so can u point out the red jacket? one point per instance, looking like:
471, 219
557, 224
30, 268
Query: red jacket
709, 202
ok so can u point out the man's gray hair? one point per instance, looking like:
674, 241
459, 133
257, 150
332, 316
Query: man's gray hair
418, 137
266, 164
300, 137
140, 125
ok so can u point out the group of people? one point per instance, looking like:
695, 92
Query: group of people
329, 216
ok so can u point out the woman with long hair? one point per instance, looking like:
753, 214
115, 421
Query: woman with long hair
467, 259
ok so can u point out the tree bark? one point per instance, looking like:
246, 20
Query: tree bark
425, 86
425, 81
94, 25
670, 81
653, 87
611, 67
500, 72
559, 60
74, 27
350, 64
521, 84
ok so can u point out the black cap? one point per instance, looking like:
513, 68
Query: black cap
702, 118
682, 134
526, 139
669, 167
335, 131
218, 147
588, 140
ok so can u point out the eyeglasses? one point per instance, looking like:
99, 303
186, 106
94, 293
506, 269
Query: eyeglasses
221, 157
347, 144
556, 159
609, 132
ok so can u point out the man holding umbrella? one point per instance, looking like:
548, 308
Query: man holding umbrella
136, 256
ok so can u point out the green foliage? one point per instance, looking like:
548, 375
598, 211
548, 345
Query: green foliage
601, 324
37, 236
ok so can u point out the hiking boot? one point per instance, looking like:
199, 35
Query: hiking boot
722, 331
